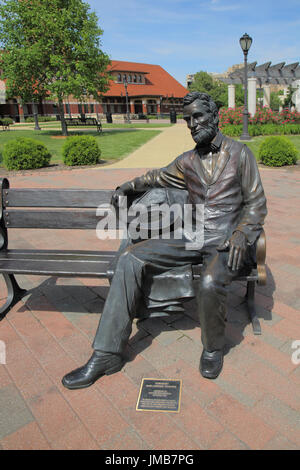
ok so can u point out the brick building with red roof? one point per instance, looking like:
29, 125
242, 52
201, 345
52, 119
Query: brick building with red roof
150, 90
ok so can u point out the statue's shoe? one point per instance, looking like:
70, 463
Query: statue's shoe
98, 365
211, 363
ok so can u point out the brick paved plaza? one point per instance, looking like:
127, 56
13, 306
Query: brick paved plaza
255, 402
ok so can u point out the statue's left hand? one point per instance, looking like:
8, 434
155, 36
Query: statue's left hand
237, 246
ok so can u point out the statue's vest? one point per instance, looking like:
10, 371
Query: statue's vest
221, 194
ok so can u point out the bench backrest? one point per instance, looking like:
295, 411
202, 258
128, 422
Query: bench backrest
51, 208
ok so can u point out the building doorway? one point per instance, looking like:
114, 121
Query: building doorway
138, 107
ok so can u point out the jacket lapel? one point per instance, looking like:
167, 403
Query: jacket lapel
222, 160
198, 167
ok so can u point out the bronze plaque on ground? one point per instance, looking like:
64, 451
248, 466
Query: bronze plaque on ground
159, 395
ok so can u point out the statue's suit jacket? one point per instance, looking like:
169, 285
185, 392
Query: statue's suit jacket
233, 196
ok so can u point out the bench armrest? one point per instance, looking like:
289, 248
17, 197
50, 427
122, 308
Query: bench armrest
261, 247
4, 185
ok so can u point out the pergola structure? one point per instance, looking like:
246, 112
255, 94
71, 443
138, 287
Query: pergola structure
263, 75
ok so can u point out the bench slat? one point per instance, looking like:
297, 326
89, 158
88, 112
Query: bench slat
51, 219
80, 198
55, 264
92, 257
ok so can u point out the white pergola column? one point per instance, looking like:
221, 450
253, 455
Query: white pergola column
267, 96
231, 96
252, 95
296, 95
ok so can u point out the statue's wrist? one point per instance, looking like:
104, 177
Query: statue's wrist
126, 188
240, 231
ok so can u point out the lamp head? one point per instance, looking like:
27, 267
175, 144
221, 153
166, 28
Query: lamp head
245, 43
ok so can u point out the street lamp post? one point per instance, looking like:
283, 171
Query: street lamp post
245, 43
127, 104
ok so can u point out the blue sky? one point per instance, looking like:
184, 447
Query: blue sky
186, 36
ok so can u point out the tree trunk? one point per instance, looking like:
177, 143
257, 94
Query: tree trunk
64, 129
36, 117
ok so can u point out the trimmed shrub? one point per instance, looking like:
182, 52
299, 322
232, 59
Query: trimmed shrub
277, 151
232, 130
6, 121
24, 153
41, 118
81, 150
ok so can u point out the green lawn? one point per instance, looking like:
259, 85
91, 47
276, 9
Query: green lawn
114, 145
255, 142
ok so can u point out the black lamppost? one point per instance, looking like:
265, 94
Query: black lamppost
127, 104
245, 42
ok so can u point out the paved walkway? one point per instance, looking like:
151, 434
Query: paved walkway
255, 402
160, 150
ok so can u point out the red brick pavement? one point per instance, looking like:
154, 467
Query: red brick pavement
255, 402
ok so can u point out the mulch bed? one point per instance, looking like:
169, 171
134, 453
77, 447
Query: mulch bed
54, 167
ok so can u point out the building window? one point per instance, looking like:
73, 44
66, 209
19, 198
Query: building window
129, 78
92, 108
80, 111
140, 78
134, 78
119, 77
86, 108
125, 77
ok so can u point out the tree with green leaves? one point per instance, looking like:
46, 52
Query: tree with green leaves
288, 101
275, 101
239, 95
205, 83
51, 48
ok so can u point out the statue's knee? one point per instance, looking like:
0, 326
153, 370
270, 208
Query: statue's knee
128, 257
124, 257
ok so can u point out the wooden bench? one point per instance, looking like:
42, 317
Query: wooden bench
5, 126
136, 117
79, 121
73, 209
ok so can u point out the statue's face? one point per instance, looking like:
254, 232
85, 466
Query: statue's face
201, 122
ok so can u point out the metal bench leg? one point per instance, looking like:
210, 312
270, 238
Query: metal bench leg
251, 308
14, 294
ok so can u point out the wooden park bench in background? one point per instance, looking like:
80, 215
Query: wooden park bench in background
84, 121
5, 125
75, 209
136, 117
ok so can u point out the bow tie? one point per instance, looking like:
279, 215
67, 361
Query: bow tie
207, 149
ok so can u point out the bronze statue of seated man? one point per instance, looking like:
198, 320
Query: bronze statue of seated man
220, 174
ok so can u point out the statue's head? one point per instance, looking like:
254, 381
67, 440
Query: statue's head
201, 115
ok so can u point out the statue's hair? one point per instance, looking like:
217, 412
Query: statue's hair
196, 95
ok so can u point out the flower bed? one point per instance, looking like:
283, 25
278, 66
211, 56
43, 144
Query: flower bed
235, 130
262, 116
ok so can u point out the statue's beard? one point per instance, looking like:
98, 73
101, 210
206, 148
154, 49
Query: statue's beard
204, 135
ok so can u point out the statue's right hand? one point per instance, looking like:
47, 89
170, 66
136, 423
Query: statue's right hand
116, 198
